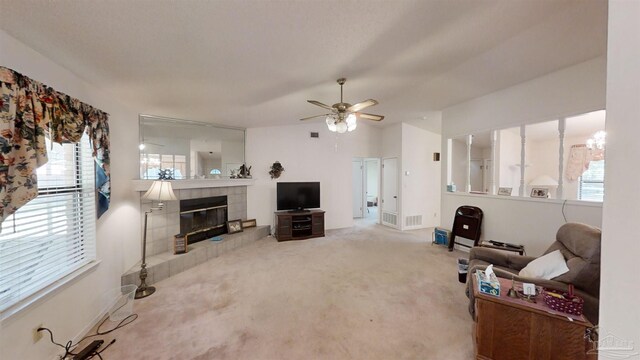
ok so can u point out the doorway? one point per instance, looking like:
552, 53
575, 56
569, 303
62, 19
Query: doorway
372, 188
366, 189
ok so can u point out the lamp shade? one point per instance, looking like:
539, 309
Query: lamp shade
160, 191
543, 180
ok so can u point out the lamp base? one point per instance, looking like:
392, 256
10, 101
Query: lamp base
143, 293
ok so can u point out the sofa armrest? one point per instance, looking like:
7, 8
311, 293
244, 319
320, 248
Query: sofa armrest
500, 258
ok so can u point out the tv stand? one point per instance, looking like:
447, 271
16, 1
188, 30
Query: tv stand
299, 225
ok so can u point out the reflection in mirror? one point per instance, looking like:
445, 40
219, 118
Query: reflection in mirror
508, 155
583, 164
541, 158
191, 150
480, 163
459, 163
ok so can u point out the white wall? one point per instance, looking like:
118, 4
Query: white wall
373, 177
326, 159
75, 306
421, 187
620, 288
531, 222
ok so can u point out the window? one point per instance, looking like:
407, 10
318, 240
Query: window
592, 182
150, 165
54, 234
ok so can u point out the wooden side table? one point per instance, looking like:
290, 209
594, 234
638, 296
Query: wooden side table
508, 328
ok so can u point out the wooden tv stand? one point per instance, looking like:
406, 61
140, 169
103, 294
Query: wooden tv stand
299, 225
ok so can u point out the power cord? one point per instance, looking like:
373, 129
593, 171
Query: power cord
70, 346
563, 214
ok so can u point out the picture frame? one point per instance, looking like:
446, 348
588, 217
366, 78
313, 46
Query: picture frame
234, 226
505, 191
249, 223
540, 193
180, 244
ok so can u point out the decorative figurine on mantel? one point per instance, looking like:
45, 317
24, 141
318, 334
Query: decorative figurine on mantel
165, 174
276, 170
234, 173
245, 172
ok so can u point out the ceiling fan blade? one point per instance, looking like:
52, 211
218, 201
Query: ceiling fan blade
318, 103
370, 116
313, 117
361, 105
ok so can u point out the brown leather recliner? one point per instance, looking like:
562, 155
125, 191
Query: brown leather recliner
580, 246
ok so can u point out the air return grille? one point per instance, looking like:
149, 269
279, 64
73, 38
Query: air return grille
414, 220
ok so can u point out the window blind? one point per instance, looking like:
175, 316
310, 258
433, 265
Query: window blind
54, 234
592, 182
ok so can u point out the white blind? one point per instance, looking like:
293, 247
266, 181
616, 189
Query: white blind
54, 234
592, 182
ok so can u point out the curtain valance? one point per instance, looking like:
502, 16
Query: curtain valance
29, 111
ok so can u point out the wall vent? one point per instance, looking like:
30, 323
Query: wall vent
414, 220
315, 134
391, 219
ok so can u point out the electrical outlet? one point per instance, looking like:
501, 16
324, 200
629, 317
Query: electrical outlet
37, 335
435, 214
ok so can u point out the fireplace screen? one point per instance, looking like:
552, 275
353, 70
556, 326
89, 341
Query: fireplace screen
203, 218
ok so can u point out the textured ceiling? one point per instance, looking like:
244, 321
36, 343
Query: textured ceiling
255, 63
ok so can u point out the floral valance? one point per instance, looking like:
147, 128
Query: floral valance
29, 111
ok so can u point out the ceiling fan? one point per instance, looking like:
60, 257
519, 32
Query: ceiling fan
343, 115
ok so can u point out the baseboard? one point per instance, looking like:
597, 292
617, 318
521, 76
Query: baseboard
87, 328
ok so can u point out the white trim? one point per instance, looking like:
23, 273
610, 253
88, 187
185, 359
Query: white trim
518, 198
144, 185
48, 291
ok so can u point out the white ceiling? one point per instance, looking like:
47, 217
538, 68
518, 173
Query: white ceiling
255, 63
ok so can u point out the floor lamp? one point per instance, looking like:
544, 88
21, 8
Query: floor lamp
159, 191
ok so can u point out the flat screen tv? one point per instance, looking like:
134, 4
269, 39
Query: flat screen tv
298, 195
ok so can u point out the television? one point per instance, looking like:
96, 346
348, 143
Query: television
298, 196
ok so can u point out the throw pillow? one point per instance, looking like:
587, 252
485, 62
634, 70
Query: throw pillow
546, 267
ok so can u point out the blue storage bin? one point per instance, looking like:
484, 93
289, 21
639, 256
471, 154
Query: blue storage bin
441, 236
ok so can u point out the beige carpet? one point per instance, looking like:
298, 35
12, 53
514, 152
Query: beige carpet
363, 293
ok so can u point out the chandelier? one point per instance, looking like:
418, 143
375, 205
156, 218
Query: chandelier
338, 123
597, 140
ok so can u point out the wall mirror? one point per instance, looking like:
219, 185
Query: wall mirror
556, 159
190, 149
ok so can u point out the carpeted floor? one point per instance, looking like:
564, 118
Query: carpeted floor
368, 292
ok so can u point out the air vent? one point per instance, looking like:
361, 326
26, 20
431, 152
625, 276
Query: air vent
414, 220
315, 134
391, 219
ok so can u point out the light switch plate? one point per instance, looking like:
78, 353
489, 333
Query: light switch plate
528, 288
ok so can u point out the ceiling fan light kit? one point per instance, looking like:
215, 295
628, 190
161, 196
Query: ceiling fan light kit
344, 116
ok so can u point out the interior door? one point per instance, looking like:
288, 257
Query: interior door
390, 186
357, 171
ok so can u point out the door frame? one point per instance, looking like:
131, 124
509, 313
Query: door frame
363, 181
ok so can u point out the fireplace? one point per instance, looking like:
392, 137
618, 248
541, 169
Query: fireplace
203, 218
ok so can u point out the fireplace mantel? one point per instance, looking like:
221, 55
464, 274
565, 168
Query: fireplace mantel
143, 185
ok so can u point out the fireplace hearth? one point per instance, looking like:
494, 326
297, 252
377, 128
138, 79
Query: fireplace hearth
203, 218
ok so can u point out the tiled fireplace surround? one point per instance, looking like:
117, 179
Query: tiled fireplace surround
164, 224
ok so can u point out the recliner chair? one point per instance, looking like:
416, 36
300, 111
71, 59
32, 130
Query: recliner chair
580, 246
